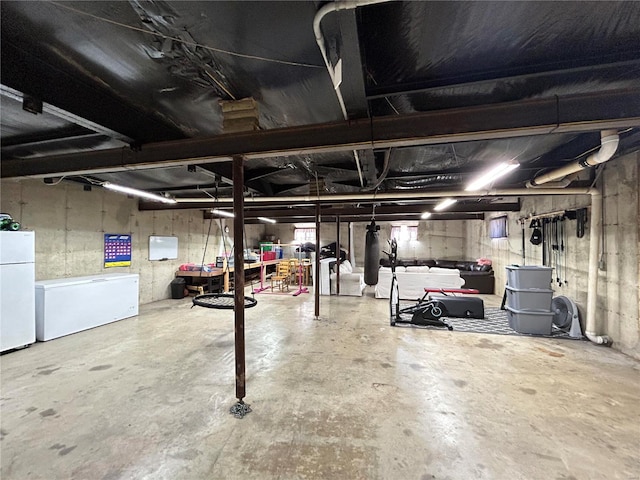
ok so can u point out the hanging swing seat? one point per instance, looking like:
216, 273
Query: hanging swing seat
224, 301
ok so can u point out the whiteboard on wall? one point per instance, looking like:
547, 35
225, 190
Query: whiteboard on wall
163, 248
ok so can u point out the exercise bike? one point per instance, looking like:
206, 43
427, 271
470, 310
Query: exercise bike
424, 313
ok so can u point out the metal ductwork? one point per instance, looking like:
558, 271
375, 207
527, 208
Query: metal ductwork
608, 146
447, 179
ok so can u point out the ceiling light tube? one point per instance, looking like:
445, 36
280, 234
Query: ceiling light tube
222, 213
267, 220
446, 203
425, 215
500, 170
137, 193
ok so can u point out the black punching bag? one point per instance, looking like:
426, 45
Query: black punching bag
371, 254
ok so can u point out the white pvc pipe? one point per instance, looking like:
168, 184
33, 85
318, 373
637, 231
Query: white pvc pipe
354, 197
609, 140
564, 183
320, 14
592, 285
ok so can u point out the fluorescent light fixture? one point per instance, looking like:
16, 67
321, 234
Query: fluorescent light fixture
425, 215
137, 193
500, 170
446, 203
267, 220
222, 213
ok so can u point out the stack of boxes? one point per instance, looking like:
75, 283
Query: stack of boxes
266, 251
529, 296
240, 115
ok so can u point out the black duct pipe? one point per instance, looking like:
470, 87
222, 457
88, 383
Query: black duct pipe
447, 179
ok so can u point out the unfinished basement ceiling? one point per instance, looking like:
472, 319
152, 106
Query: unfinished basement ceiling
116, 78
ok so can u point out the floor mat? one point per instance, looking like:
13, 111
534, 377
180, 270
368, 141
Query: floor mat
495, 322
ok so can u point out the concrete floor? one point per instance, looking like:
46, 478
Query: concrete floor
347, 396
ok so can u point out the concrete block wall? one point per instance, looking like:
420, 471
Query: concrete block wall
436, 239
618, 283
70, 225
444, 240
285, 233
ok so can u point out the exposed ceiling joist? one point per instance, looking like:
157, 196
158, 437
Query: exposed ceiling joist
574, 113
104, 110
54, 135
628, 60
14, 94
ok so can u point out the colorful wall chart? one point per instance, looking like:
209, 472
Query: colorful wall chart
117, 250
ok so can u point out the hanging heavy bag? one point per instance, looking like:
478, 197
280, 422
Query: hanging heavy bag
371, 254
536, 236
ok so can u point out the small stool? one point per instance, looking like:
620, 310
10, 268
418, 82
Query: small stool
197, 289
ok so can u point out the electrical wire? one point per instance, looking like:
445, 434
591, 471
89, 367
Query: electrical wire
56, 183
217, 82
386, 98
185, 42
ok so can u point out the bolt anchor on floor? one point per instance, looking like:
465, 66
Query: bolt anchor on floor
240, 409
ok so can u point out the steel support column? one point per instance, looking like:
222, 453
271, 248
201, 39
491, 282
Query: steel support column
338, 255
316, 281
238, 272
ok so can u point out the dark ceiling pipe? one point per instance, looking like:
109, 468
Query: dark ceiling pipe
541, 116
425, 182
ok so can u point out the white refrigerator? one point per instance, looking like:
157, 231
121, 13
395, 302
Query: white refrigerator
17, 289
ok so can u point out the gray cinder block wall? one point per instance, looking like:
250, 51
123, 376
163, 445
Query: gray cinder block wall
618, 283
70, 224
436, 239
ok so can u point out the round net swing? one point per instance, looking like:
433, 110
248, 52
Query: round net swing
225, 301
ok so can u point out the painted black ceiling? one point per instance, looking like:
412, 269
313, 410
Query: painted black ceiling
126, 75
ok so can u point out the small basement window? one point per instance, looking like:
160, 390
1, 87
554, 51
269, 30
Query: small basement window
498, 227
304, 235
404, 233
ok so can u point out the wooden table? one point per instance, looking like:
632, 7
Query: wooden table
209, 276
224, 272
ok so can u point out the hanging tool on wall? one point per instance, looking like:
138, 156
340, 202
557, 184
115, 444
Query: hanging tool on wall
563, 253
536, 235
554, 245
581, 217
524, 242
546, 257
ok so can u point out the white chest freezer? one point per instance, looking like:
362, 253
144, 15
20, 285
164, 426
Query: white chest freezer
70, 305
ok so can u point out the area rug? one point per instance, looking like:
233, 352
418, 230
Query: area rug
495, 323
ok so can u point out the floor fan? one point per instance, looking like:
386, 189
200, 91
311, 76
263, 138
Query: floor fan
565, 316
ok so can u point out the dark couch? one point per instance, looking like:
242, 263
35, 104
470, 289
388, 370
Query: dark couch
479, 277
